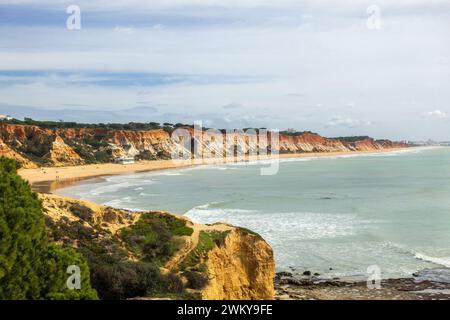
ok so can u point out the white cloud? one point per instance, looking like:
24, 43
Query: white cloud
127, 30
437, 114
347, 122
334, 63
105, 4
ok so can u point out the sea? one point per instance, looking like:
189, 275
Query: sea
339, 216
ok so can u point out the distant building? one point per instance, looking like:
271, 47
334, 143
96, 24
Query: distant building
124, 160
5, 117
430, 142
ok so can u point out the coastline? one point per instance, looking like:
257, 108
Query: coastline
287, 286
48, 179
415, 287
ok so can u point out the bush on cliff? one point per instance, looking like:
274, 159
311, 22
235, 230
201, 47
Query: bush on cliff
207, 240
113, 274
31, 267
126, 279
152, 237
196, 280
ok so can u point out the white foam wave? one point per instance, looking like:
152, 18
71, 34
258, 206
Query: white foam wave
118, 203
143, 194
295, 226
445, 261
116, 185
171, 174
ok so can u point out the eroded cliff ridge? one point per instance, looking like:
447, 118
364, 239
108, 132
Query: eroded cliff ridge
35, 146
157, 254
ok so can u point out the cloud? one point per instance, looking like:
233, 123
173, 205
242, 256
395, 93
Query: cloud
347, 122
232, 106
437, 114
155, 4
278, 59
126, 30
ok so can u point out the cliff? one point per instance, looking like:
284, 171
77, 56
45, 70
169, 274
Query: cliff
33, 145
207, 261
60, 154
244, 261
6, 151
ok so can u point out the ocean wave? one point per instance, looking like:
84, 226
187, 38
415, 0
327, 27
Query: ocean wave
441, 261
169, 173
283, 227
110, 188
444, 261
118, 203
204, 212
116, 185
143, 194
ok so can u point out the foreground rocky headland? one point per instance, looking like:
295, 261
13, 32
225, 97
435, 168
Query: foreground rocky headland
216, 261
195, 261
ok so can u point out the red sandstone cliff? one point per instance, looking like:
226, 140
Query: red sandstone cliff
32, 145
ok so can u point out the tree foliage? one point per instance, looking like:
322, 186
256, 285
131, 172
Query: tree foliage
31, 267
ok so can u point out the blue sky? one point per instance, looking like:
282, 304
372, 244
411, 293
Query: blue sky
300, 64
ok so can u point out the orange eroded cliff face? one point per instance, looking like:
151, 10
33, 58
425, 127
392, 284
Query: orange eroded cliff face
32, 145
242, 268
310, 142
61, 154
6, 151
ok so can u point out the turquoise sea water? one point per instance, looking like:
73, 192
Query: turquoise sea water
346, 213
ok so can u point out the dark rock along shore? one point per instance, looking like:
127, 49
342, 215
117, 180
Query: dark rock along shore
432, 284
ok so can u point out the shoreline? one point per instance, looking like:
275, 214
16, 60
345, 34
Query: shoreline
289, 287
48, 179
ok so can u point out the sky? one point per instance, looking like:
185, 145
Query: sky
336, 67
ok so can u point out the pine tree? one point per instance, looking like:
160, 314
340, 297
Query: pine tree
30, 267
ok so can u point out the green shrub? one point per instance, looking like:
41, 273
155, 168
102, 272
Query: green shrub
196, 280
207, 240
56, 264
174, 284
30, 267
152, 237
126, 280
103, 156
82, 212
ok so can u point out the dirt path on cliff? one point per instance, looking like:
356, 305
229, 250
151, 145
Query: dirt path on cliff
191, 242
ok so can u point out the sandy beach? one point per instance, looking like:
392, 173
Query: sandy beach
47, 179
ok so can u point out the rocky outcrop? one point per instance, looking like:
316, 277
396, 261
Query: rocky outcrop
72, 146
6, 151
103, 217
239, 266
61, 154
242, 268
